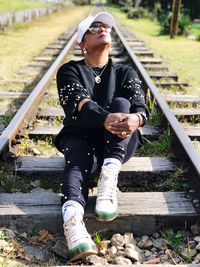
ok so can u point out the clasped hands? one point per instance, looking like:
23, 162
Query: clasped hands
121, 124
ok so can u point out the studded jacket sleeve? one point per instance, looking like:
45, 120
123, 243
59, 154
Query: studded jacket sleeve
71, 91
131, 89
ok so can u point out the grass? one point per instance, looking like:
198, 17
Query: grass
180, 54
15, 5
18, 45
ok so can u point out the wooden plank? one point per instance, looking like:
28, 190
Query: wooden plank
192, 131
143, 53
182, 98
136, 44
168, 84
56, 164
150, 60
54, 130
160, 209
30, 73
43, 58
140, 48
156, 67
17, 82
14, 94
159, 75
111, 52
37, 66
53, 112
132, 39
55, 46
186, 111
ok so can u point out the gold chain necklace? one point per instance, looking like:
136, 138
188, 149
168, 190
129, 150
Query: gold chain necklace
97, 77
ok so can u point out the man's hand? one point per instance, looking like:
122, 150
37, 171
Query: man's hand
122, 124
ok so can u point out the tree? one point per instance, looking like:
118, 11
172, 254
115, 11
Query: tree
174, 20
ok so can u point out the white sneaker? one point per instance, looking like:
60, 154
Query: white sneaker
79, 241
106, 203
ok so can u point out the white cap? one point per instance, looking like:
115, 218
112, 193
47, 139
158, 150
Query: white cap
103, 17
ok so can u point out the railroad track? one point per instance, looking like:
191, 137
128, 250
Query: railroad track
40, 117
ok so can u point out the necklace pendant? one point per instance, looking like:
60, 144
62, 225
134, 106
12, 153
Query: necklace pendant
97, 79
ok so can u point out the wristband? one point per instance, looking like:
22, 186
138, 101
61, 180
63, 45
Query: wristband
140, 118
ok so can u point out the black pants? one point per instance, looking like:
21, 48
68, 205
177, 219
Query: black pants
82, 151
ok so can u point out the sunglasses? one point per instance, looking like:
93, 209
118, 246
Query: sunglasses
95, 28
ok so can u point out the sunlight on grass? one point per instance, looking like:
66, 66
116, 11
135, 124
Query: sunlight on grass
181, 55
14, 5
19, 45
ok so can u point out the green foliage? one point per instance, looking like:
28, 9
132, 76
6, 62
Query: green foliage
164, 19
161, 182
81, 2
136, 13
160, 147
6, 118
174, 240
98, 238
4, 236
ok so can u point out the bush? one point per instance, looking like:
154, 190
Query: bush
137, 13
81, 2
164, 19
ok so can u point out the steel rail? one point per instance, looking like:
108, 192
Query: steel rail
184, 140
14, 126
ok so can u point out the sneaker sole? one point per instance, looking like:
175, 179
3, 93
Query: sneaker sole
105, 220
83, 255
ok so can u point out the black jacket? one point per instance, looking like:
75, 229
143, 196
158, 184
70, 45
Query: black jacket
75, 81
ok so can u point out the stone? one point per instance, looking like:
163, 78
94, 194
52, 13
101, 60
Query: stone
198, 247
113, 251
128, 237
159, 243
3, 243
147, 253
61, 249
163, 258
34, 150
197, 257
120, 248
186, 254
35, 183
197, 238
37, 190
40, 254
134, 254
156, 235
95, 260
192, 244
117, 240
122, 261
106, 243
152, 261
144, 238
195, 229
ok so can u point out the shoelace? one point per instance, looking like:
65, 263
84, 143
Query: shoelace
107, 186
75, 230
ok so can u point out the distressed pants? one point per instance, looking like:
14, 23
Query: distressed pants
84, 152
